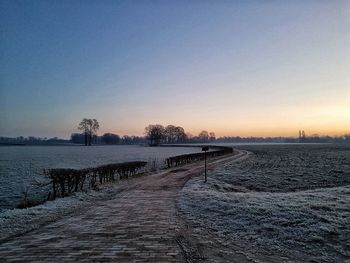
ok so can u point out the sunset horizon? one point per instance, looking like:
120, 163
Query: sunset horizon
175, 131
234, 68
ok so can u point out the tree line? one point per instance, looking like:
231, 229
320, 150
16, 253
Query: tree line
108, 139
156, 134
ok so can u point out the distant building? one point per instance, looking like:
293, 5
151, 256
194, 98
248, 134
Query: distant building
302, 136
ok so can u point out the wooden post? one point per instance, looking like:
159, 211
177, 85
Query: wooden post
205, 166
205, 149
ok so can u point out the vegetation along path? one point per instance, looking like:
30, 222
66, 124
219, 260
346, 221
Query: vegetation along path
139, 224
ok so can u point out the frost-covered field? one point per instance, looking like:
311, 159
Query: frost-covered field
15, 222
292, 201
22, 166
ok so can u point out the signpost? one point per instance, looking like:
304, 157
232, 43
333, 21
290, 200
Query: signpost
205, 149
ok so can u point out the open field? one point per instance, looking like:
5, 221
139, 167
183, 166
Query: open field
249, 211
289, 201
287, 168
135, 220
22, 166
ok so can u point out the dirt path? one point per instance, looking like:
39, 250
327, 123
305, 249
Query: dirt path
139, 224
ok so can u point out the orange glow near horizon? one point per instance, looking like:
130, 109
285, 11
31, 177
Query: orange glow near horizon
231, 68
249, 133
327, 119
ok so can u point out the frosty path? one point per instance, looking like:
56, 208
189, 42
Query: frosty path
139, 224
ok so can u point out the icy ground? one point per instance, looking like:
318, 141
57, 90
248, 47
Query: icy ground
18, 221
282, 200
22, 167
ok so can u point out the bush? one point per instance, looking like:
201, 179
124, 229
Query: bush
193, 157
66, 181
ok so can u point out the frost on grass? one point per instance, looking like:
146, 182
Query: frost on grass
286, 168
288, 220
18, 221
21, 167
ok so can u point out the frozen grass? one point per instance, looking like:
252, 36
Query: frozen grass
18, 221
22, 166
257, 202
282, 168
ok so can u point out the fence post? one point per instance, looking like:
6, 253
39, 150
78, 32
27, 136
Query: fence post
205, 149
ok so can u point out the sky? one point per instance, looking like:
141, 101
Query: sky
237, 68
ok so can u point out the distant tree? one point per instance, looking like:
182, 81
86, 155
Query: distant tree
93, 130
170, 134
110, 138
212, 136
89, 128
155, 133
174, 134
203, 136
180, 134
189, 137
84, 126
126, 139
78, 138
315, 138
347, 138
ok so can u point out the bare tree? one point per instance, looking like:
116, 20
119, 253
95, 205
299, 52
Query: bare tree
169, 134
84, 126
203, 136
174, 134
89, 128
155, 133
93, 129
180, 134
212, 136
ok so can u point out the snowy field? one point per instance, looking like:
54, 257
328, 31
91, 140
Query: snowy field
286, 200
21, 167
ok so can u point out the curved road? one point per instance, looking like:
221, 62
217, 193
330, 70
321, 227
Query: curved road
139, 224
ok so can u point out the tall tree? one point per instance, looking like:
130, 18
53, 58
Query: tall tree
180, 134
84, 127
170, 134
155, 133
89, 128
174, 134
93, 129
212, 136
203, 136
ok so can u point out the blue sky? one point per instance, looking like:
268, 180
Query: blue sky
232, 67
